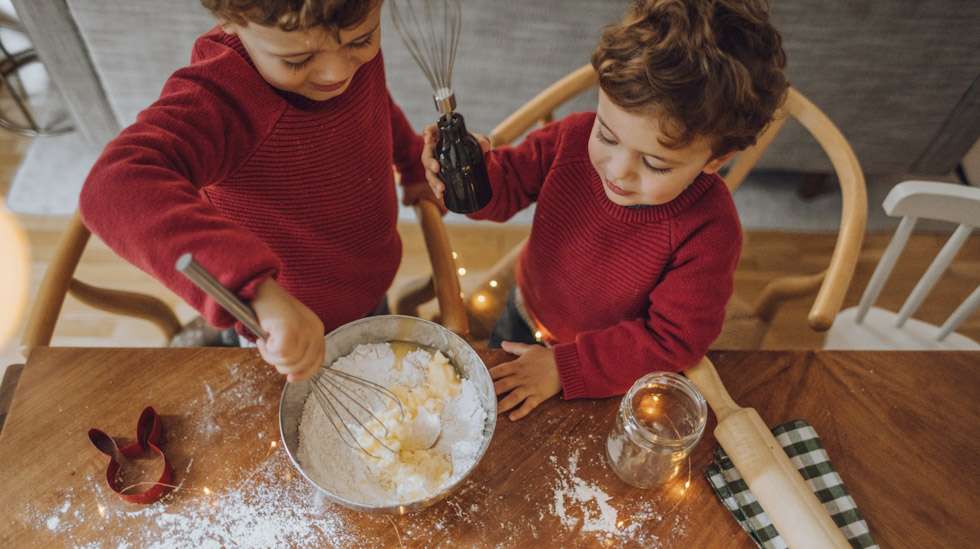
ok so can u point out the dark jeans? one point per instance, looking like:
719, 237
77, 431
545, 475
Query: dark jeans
382, 308
510, 326
229, 337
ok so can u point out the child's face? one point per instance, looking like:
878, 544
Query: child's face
311, 63
635, 168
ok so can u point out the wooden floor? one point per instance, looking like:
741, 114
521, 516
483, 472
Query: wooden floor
766, 255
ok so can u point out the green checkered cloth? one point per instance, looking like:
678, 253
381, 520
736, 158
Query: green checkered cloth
805, 451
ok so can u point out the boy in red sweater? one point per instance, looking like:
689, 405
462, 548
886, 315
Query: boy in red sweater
635, 237
270, 159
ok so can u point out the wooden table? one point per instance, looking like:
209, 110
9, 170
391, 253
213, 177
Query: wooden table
903, 429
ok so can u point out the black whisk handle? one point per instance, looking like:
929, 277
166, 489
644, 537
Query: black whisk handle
461, 166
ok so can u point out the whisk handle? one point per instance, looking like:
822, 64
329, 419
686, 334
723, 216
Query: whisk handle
210, 285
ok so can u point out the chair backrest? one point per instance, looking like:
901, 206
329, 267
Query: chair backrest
834, 281
59, 281
911, 201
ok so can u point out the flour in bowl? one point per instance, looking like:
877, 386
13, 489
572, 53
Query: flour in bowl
437, 405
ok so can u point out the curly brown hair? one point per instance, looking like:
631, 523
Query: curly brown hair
290, 15
707, 68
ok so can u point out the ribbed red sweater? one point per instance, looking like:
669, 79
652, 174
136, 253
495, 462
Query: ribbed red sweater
258, 182
619, 291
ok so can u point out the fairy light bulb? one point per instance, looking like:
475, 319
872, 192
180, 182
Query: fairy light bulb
493, 283
649, 407
461, 271
15, 275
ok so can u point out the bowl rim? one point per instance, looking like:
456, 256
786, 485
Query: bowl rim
490, 427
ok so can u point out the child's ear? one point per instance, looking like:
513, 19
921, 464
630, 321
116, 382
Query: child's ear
717, 162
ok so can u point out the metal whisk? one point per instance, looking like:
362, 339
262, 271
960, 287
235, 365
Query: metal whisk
349, 402
430, 30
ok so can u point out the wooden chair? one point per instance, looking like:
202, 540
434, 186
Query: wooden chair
869, 327
746, 324
59, 281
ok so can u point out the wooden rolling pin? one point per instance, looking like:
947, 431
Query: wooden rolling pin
795, 511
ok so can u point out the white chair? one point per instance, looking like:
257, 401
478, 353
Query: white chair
867, 327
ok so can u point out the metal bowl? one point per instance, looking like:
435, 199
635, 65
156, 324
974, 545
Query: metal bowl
381, 329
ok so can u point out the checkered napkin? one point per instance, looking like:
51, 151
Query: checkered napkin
805, 451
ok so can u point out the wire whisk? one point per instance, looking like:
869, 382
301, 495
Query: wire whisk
349, 402
430, 30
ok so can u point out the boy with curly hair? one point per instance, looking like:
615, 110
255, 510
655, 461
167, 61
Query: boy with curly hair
269, 158
635, 238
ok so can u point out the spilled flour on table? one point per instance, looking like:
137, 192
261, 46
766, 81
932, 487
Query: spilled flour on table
54, 521
263, 511
272, 508
577, 491
242, 396
584, 507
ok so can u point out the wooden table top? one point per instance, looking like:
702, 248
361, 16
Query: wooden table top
903, 430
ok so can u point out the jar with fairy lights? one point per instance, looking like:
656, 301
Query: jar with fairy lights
660, 420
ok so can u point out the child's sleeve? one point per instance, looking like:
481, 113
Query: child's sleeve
687, 310
406, 147
142, 195
517, 173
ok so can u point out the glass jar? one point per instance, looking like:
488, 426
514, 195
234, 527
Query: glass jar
660, 420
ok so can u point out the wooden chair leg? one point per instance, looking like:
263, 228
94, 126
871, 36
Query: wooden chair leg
452, 311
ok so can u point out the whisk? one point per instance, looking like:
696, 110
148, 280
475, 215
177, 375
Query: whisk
349, 402
430, 30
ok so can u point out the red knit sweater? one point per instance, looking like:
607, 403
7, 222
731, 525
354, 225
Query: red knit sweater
619, 291
258, 182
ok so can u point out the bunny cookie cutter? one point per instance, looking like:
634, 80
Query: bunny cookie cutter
149, 433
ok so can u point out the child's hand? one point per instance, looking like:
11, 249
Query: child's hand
295, 344
531, 379
412, 193
430, 135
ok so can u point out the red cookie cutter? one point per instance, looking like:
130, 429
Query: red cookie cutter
149, 432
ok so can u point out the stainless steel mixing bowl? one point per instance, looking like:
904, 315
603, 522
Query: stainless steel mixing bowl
380, 329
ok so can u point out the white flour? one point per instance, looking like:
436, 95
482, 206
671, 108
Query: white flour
583, 506
425, 384
581, 493
271, 507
